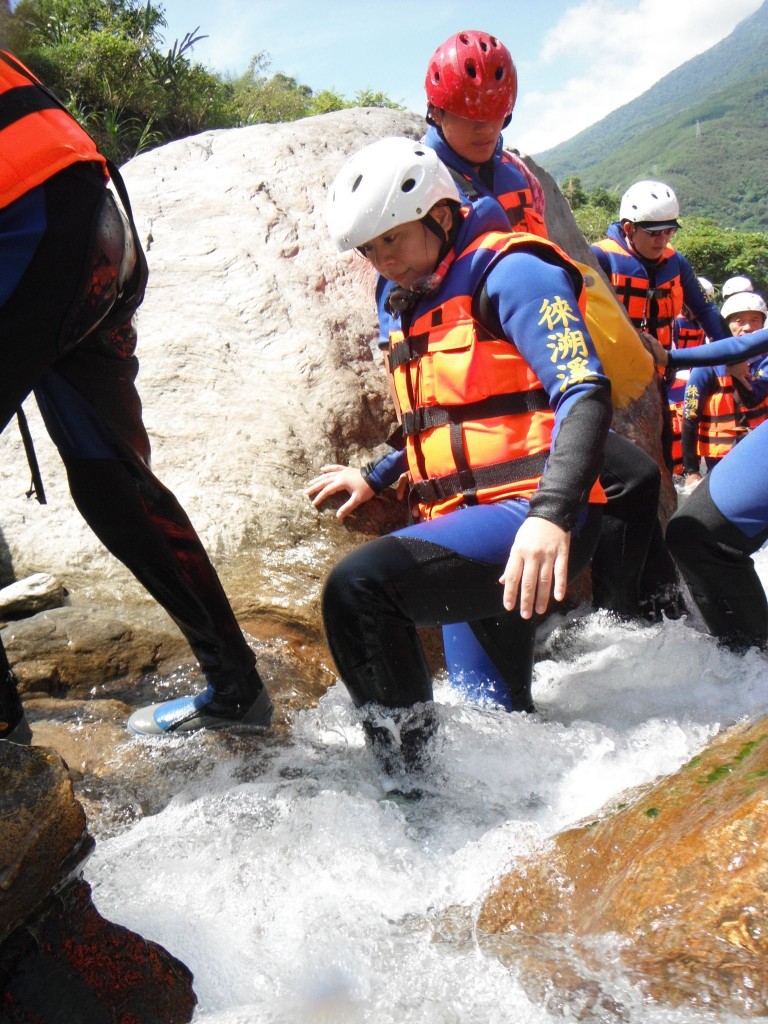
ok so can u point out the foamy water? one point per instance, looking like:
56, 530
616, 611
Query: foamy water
298, 891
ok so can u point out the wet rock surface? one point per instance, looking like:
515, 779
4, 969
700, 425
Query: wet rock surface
59, 959
675, 879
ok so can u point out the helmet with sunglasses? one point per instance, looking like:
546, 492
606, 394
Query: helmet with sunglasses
472, 74
386, 184
650, 203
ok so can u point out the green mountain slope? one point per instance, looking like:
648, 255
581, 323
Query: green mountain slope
713, 155
724, 90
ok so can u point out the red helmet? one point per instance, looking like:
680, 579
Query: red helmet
472, 75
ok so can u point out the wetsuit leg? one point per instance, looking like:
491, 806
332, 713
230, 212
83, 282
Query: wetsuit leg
93, 411
631, 563
491, 660
713, 535
472, 657
439, 572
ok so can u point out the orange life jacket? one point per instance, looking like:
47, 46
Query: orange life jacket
676, 402
517, 203
521, 214
651, 309
756, 415
476, 418
720, 421
37, 137
688, 334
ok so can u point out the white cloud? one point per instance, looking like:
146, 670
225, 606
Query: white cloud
612, 53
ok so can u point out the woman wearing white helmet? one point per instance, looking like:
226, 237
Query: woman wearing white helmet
504, 411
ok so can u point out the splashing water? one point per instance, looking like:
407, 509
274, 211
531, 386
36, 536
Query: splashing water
298, 891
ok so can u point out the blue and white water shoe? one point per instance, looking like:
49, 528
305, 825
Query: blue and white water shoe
203, 711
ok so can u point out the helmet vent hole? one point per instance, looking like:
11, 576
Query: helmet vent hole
356, 183
464, 38
499, 74
408, 185
471, 69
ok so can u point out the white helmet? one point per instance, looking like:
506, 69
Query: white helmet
707, 287
744, 302
648, 202
736, 284
391, 182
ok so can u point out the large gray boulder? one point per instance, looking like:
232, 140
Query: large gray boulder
258, 365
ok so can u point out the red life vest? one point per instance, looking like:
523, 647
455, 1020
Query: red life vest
37, 137
476, 418
756, 415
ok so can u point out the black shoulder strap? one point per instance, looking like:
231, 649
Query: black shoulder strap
464, 184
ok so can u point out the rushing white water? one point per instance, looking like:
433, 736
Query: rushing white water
297, 891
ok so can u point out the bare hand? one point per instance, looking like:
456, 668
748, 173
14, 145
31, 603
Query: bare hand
654, 346
333, 479
537, 567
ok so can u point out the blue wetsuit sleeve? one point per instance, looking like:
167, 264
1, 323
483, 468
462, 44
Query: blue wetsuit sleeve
726, 350
385, 471
759, 385
387, 322
538, 312
705, 313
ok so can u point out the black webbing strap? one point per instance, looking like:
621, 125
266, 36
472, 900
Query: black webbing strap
36, 486
21, 101
513, 404
439, 488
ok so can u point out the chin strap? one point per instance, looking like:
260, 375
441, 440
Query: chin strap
400, 299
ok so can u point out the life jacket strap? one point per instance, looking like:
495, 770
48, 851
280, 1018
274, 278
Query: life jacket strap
428, 492
513, 404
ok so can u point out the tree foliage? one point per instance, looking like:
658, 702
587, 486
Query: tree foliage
108, 62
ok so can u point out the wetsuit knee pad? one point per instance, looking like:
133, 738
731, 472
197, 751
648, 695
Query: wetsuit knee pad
629, 473
370, 568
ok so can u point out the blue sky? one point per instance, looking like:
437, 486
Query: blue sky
576, 61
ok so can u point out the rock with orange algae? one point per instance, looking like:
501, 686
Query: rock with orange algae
669, 890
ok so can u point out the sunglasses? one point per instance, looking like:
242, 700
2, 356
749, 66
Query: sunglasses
658, 231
